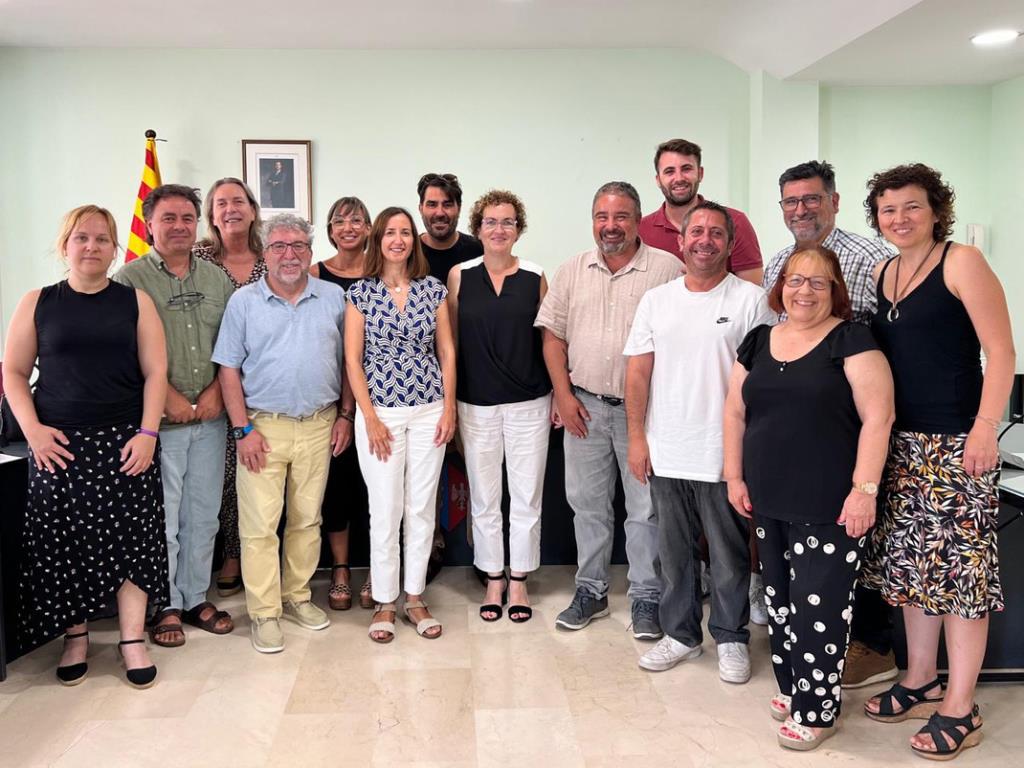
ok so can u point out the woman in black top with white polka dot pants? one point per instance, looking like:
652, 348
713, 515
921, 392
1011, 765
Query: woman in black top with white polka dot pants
807, 424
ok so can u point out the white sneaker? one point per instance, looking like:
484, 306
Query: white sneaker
667, 653
734, 662
758, 608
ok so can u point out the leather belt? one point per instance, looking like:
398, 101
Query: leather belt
606, 399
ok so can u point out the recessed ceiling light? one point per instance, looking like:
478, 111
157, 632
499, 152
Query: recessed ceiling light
995, 37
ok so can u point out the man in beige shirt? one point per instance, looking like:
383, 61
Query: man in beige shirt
586, 316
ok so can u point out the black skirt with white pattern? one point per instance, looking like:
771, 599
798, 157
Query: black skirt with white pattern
88, 529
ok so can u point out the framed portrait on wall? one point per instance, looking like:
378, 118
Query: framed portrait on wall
280, 174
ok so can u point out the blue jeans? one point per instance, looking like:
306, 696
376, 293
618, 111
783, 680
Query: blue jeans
192, 464
590, 470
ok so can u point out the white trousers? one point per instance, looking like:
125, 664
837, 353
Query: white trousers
517, 433
402, 488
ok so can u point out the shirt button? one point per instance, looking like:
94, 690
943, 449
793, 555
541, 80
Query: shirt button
195, 370
193, 349
190, 325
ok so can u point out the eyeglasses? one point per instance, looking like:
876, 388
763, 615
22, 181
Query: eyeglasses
278, 248
492, 223
811, 202
353, 221
185, 302
817, 283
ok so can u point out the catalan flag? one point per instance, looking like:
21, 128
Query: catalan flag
137, 245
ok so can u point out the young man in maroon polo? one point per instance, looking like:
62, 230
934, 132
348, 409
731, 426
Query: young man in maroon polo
678, 174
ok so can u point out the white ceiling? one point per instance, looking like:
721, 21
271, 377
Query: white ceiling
869, 41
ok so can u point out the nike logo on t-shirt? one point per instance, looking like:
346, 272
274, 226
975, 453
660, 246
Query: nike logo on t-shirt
721, 320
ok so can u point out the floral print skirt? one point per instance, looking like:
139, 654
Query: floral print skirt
934, 545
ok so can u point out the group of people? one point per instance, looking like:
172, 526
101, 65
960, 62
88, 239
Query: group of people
821, 432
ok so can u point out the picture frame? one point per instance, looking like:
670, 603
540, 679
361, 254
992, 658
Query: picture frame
280, 174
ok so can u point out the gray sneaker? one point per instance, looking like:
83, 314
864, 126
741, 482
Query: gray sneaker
583, 609
305, 614
645, 621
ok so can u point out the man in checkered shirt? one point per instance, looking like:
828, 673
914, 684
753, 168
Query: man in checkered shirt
809, 206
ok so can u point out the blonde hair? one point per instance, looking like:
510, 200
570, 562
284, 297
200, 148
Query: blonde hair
74, 217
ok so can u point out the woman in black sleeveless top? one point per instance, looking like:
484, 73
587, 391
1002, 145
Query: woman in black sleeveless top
504, 397
345, 500
94, 526
934, 549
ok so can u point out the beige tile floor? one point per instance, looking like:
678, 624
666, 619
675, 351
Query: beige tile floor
483, 695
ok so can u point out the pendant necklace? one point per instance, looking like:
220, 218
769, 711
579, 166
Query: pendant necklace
894, 311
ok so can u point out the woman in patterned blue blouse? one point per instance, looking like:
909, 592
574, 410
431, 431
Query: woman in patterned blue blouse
401, 364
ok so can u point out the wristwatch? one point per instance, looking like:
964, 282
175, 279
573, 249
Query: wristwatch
239, 432
871, 489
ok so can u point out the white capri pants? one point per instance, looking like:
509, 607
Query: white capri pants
517, 432
402, 488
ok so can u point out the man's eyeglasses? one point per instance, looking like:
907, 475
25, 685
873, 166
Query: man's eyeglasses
817, 283
186, 301
811, 202
492, 223
278, 248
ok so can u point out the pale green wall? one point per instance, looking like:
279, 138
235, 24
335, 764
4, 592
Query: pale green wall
864, 130
1006, 172
550, 125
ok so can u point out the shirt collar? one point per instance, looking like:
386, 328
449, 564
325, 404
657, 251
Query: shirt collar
638, 262
160, 264
311, 289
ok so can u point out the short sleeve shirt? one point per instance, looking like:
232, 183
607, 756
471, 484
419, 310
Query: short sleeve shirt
694, 336
399, 356
802, 425
289, 355
592, 309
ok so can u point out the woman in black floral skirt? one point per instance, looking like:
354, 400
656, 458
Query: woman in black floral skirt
94, 527
933, 551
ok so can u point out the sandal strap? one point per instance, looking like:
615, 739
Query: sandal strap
500, 577
379, 607
803, 732
414, 605
939, 726
382, 626
340, 589
518, 578
905, 697
73, 635
341, 565
131, 642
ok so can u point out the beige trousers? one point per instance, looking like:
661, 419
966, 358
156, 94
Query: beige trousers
300, 454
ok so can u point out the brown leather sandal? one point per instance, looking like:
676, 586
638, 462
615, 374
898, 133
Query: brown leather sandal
157, 627
366, 594
193, 617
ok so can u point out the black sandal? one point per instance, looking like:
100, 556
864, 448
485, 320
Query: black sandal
229, 585
193, 617
142, 677
73, 674
339, 596
914, 705
494, 607
940, 726
519, 613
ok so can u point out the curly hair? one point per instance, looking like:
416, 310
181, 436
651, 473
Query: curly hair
496, 197
940, 195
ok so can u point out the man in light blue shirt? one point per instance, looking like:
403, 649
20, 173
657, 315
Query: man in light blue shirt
282, 376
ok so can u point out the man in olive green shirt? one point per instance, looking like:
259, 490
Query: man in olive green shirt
190, 294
